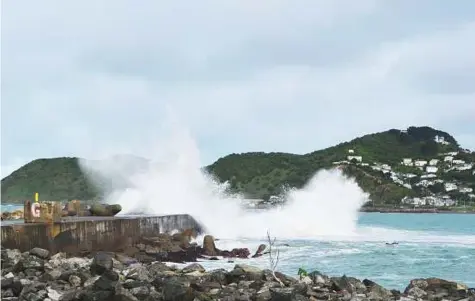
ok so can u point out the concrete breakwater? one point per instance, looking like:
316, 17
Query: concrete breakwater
87, 234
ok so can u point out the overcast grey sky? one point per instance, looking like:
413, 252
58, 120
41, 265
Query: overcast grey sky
81, 77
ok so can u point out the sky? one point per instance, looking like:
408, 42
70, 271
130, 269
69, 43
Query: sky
82, 78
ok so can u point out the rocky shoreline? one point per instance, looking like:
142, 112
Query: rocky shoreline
140, 273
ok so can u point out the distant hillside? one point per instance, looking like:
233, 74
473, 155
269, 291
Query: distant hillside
55, 179
63, 179
261, 175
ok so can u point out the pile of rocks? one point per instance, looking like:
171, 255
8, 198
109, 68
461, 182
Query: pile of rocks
35, 275
179, 248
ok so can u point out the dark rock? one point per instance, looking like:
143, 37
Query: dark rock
177, 291
260, 251
121, 294
194, 267
209, 248
102, 262
236, 253
39, 252
282, 294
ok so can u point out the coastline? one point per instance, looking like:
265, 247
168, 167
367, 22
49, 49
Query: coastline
167, 268
413, 210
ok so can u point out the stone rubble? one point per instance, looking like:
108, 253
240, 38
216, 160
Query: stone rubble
38, 275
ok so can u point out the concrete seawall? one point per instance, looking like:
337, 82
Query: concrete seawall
78, 235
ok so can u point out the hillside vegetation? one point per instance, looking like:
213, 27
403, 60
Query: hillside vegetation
261, 175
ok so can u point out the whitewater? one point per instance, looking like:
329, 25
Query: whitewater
320, 226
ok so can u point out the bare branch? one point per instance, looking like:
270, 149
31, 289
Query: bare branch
273, 261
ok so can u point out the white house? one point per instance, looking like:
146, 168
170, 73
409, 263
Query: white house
458, 162
450, 186
357, 158
466, 190
448, 158
351, 151
433, 162
407, 161
420, 163
452, 153
428, 176
407, 185
410, 175
463, 167
431, 169
440, 139
386, 167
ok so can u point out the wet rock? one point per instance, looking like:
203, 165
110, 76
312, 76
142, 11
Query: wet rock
209, 247
260, 251
194, 267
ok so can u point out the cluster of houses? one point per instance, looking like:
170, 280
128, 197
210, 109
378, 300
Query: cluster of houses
427, 174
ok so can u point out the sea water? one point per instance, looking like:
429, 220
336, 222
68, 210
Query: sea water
429, 245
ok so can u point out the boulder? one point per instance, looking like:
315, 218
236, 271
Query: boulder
260, 251
209, 248
39, 252
104, 209
101, 263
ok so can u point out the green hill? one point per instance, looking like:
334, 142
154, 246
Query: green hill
54, 179
261, 175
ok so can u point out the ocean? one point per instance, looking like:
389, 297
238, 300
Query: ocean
429, 245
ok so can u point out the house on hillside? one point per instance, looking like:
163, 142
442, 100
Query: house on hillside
431, 169
463, 167
351, 151
428, 176
433, 162
448, 159
385, 167
357, 158
407, 162
466, 189
420, 163
441, 140
458, 162
450, 186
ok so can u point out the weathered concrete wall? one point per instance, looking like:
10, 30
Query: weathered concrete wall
93, 233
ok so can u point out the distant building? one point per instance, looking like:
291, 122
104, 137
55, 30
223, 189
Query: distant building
440, 139
407, 162
463, 167
431, 169
448, 158
385, 167
450, 186
351, 151
357, 158
428, 176
433, 162
466, 189
420, 163
458, 162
